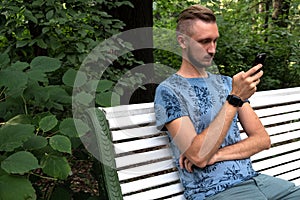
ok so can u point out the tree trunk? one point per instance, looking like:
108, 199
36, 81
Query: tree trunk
268, 3
281, 12
138, 17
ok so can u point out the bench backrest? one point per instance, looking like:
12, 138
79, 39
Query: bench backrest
143, 158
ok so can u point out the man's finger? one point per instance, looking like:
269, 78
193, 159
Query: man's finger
181, 161
252, 71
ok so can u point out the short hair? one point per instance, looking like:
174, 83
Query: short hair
187, 17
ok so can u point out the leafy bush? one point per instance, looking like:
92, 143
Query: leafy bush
42, 45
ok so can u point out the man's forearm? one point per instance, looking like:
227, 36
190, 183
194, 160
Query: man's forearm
208, 142
241, 150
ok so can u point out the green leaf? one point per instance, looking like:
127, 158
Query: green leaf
28, 14
128, 3
58, 94
41, 43
19, 66
104, 85
20, 163
35, 142
83, 98
57, 167
13, 136
39, 93
37, 75
60, 143
55, 44
68, 128
37, 3
107, 99
15, 85
45, 64
70, 76
4, 60
47, 123
19, 119
22, 43
49, 14
16, 188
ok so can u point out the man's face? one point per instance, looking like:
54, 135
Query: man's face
201, 46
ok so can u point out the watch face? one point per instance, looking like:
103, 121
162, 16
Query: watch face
234, 100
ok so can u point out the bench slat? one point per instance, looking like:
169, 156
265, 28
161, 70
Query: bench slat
145, 169
137, 158
146, 183
289, 135
131, 121
297, 181
277, 92
270, 101
141, 144
277, 150
133, 133
278, 160
280, 118
273, 97
283, 128
275, 119
285, 137
128, 110
178, 197
156, 193
278, 110
290, 175
282, 168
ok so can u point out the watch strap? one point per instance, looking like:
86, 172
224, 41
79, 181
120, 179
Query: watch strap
235, 100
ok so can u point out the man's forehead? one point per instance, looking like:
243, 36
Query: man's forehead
201, 29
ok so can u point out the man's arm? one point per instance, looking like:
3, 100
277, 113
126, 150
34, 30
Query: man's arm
201, 149
258, 139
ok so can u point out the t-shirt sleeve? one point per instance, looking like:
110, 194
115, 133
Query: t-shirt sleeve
167, 106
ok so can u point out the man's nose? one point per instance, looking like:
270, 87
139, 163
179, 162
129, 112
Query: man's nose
212, 47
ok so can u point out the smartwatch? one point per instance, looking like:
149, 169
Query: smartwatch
235, 100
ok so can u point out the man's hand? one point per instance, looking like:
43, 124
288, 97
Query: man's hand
185, 163
244, 83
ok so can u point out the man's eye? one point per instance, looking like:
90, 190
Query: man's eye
207, 41
204, 41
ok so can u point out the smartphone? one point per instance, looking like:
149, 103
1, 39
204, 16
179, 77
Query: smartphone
259, 59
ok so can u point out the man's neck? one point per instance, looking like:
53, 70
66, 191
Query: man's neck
189, 71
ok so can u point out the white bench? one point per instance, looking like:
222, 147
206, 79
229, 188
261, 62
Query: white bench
143, 161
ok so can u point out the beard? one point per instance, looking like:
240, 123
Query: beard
196, 62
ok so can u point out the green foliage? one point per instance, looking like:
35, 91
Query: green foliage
246, 28
42, 45
16, 188
26, 162
165, 13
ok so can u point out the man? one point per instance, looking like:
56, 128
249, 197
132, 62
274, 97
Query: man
200, 111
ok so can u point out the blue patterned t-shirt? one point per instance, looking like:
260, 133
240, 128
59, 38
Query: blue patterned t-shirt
201, 99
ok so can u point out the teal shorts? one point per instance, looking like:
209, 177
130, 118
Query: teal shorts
261, 187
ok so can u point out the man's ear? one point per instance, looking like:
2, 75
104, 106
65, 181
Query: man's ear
182, 41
